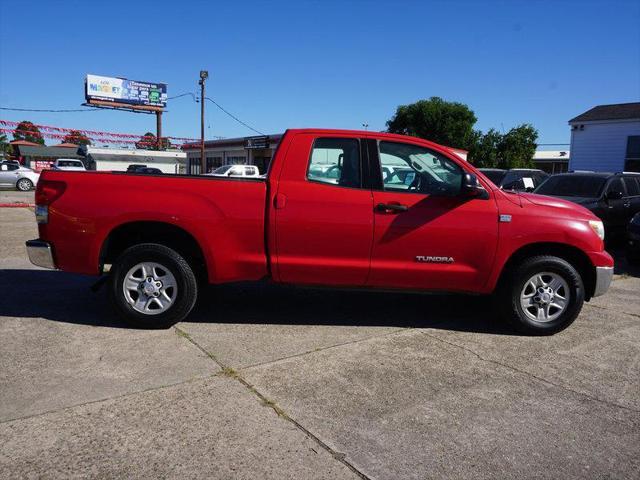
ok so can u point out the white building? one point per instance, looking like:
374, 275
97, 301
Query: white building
232, 151
118, 159
606, 139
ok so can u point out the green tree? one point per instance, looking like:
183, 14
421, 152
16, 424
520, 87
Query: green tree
149, 142
435, 119
5, 147
518, 146
29, 132
76, 137
483, 152
515, 149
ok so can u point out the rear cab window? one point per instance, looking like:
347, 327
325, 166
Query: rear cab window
336, 161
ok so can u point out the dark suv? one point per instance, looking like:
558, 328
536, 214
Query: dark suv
518, 179
614, 197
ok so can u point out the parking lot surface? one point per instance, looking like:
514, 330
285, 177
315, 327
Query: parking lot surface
265, 381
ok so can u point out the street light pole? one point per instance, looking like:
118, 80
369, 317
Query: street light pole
203, 161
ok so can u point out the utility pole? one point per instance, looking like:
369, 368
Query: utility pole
159, 128
204, 74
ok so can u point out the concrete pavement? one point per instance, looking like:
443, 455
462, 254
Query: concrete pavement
273, 382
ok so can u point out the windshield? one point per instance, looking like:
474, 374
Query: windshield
495, 176
223, 169
572, 186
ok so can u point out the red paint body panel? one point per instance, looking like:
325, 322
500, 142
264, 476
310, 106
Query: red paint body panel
226, 217
301, 231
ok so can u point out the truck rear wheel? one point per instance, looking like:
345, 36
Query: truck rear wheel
543, 295
152, 286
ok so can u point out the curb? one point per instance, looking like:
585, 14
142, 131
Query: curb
17, 205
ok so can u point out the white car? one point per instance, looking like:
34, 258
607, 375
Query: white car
235, 171
16, 176
69, 164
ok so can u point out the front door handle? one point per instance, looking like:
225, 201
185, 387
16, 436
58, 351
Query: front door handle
391, 208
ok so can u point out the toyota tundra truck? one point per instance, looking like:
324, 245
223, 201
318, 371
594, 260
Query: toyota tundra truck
337, 208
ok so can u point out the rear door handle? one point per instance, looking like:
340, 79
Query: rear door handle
391, 208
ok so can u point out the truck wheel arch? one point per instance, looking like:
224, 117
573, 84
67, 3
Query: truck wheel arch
175, 237
571, 254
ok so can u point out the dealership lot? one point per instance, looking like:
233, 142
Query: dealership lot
274, 382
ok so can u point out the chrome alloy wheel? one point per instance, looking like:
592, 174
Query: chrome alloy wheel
544, 297
150, 288
24, 185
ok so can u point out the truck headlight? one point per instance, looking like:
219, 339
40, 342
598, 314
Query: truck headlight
598, 227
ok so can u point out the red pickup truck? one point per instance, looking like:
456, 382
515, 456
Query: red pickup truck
337, 208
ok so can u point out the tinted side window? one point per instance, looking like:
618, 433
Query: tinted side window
335, 161
633, 188
414, 169
615, 186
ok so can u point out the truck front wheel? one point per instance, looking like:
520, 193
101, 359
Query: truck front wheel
152, 286
543, 295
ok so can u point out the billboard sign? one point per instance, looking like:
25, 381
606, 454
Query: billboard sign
121, 90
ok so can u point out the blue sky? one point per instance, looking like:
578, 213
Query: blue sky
325, 64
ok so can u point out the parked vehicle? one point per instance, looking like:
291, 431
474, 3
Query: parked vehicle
14, 175
518, 179
68, 164
613, 197
633, 239
147, 170
449, 229
134, 167
235, 171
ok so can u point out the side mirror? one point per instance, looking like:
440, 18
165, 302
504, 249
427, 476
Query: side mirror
613, 195
471, 187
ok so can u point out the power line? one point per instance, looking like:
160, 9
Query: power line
48, 110
184, 95
233, 116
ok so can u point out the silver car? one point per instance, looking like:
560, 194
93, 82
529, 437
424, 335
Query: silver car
16, 176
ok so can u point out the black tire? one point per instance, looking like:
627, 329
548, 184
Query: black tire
508, 295
24, 185
170, 260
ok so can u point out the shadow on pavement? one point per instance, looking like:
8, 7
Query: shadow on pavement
622, 266
64, 297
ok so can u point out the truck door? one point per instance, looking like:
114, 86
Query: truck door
428, 236
615, 212
323, 213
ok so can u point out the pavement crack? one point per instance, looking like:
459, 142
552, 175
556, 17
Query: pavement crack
531, 375
329, 347
231, 373
105, 399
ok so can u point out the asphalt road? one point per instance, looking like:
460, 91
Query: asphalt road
272, 382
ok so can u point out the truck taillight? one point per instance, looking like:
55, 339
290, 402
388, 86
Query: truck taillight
46, 192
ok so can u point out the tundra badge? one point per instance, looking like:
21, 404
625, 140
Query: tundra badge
430, 259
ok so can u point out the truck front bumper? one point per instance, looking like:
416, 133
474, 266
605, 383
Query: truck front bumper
604, 275
40, 253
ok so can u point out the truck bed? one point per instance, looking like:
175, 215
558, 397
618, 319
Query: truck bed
225, 214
